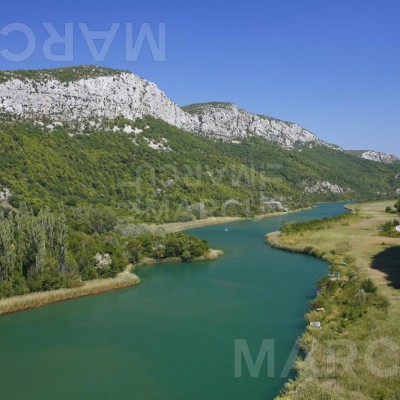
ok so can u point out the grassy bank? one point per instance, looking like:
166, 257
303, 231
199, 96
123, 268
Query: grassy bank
198, 223
31, 300
124, 279
355, 352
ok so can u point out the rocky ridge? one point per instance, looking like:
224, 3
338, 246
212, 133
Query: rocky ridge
123, 94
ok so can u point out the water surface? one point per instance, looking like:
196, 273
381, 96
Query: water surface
172, 337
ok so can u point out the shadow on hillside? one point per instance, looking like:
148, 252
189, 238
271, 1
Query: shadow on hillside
388, 261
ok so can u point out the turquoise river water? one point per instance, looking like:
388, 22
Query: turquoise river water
172, 337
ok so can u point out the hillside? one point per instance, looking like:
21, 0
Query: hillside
153, 171
88, 93
85, 136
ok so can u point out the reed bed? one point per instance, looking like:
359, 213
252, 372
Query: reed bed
32, 300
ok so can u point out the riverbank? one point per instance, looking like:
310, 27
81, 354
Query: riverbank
97, 286
198, 223
38, 299
357, 307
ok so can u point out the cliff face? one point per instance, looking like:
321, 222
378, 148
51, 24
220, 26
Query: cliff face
226, 120
126, 95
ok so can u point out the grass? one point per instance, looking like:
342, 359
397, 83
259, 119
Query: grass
198, 223
353, 320
32, 300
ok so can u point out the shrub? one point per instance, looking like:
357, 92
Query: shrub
368, 286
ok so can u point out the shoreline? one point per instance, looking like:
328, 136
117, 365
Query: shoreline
171, 227
38, 299
349, 248
97, 286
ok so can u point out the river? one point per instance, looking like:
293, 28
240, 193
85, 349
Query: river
172, 337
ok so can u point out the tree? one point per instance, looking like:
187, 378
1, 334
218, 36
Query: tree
102, 220
158, 250
62, 247
8, 255
134, 250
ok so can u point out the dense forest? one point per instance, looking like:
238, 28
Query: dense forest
40, 252
163, 174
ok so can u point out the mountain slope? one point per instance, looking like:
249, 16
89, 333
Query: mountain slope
91, 136
153, 171
91, 93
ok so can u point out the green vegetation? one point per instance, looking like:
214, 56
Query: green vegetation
43, 252
389, 229
68, 74
107, 169
166, 246
353, 309
197, 178
197, 108
37, 299
34, 254
357, 306
393, 209
290, 228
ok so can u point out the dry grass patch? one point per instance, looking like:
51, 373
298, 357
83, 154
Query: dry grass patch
32, 300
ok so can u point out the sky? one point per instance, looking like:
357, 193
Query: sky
330, 66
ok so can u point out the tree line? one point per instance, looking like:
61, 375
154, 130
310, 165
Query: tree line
52, 250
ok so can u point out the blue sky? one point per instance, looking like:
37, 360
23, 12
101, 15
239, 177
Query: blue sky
331, 66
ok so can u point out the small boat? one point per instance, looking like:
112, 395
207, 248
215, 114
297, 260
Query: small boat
226, 230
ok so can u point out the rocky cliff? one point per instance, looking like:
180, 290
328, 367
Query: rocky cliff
107, 94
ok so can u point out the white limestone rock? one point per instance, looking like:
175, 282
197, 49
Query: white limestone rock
378, 156
131, 97
159, 146
323, 187
273, 204
229, 122
5, 194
